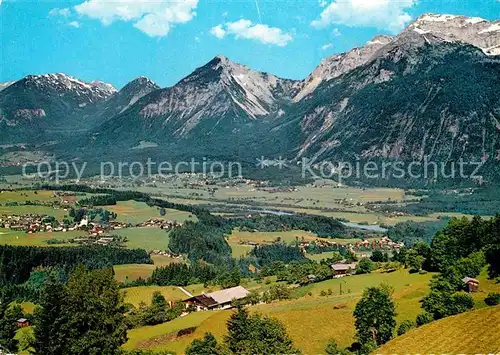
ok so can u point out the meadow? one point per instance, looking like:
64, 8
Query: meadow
474, 332
58, 213
149, 238
136, 295
131, 272
310, 319
22, 238
136, 212
27, 195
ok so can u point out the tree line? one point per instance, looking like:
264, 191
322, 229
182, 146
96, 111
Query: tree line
23, 268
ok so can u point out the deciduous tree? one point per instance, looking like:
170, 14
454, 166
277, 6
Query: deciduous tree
375, 315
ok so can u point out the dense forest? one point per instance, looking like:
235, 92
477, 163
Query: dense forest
320, 225
23, 270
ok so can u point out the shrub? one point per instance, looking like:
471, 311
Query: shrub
365, 266
492, 299
333, 349
322, 293
424, 318
405, 326
462, 302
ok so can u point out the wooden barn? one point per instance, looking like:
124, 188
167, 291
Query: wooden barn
341, 270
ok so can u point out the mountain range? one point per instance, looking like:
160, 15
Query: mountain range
432, 91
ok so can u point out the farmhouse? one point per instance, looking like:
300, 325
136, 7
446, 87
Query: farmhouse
216, 300
341, 270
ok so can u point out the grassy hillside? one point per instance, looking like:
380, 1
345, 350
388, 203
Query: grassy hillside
475, 332
311, 320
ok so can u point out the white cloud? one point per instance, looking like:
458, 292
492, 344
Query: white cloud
153, 17
247, 30
336, 32
322, 3
65, 12
74, 24
218, 31
382, 14
326, 46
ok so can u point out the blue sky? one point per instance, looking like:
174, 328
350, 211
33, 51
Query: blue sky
118, 40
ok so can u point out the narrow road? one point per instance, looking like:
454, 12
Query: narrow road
185, 291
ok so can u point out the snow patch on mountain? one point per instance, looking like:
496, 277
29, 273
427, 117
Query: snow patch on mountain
6, 85
64, 83
472, 30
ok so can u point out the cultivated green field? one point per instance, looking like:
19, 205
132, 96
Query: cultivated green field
58, 213
31, 239
136, 295
137, 212
27, 195
321, 256
149, 238
130, 272
239, 250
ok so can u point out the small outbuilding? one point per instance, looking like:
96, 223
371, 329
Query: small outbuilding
470, 284
22, 323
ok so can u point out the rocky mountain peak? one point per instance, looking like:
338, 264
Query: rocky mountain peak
138, 83
128, 95
251, 91
105, 87
379, 40
62, 83
338, 64
476, 31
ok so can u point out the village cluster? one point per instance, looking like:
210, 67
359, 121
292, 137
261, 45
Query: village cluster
358, 248
93, 232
